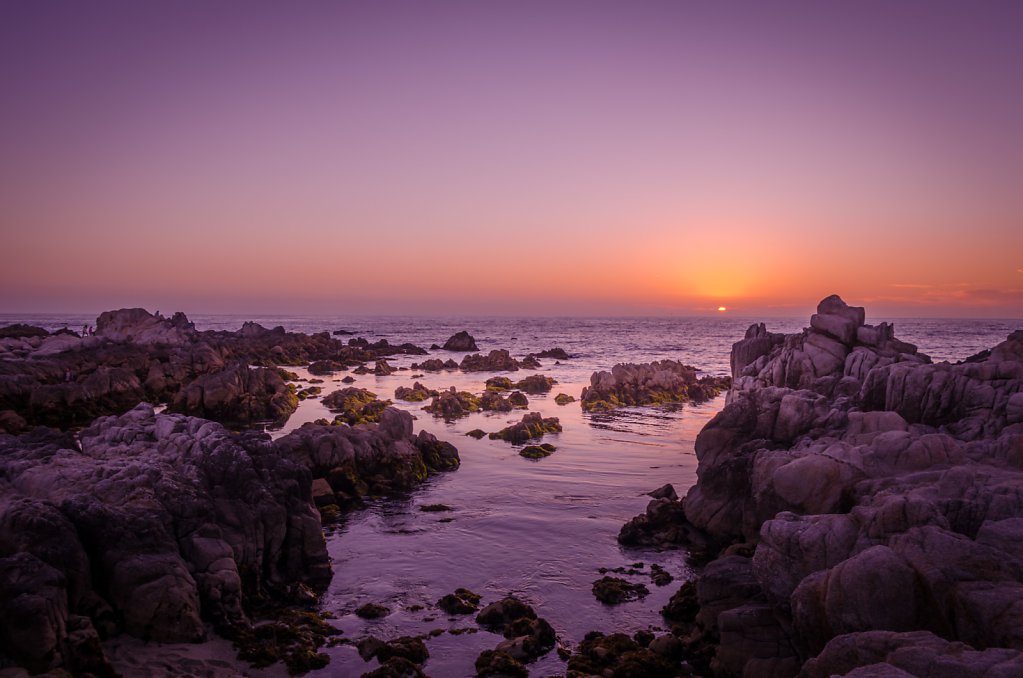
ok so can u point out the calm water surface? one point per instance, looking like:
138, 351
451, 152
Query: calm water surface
537, 529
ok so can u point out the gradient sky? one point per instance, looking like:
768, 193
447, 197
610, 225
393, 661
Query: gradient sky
512, 157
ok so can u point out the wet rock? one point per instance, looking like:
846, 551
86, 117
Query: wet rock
396, 667
452, 404
564, 399
499, 384
497, 616
532, 426
537, 451
527, 639
657, 383
463, 341
659, 576
492, 401
462, 601
495, 361
518, 400
536, 384
530, 363
372, 611
619, 655
557, 353
613, 590
355, 405
406, 647
383, 369
499, 665
417, 393
434, 508
291, 637
325, 367
435, 365
477, 433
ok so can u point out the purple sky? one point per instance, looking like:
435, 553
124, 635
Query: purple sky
519, 157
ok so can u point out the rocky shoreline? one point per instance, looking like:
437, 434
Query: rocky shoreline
863, 505
858, 508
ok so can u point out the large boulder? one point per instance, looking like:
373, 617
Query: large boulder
657, 383
463, 341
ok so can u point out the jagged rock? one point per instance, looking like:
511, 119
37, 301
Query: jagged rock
182, 519
657, 383
417, 393
452, 404
462, 601
501, 664
238, 395
496, 361
492, 401
532, 426
463, 341
619, 655
382, 458
883, 496
355, 405
435, 365
138, 326
614, 590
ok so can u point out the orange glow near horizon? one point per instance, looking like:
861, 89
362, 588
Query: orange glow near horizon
593, 159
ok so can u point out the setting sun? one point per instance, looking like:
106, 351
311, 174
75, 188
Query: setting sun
722, 308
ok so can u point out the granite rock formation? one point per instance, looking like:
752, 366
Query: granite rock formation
879, 498
656, 383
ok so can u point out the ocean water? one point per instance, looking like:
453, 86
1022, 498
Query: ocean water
536, 529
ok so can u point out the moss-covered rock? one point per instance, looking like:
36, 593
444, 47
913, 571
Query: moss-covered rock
452, 404
477, 433
355, 405
324, 367
657, 383
613, 590
396, 667
496, 663
407, 647
416, 394
293, 637
564, 399
532, 426
499, 384
537, 451
619, 656
518, 400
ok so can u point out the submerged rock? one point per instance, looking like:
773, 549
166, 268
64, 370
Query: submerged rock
564, 399
462, 601
537, 451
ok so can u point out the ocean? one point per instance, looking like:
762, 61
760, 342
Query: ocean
536, 529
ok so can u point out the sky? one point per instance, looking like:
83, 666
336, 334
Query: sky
526, 158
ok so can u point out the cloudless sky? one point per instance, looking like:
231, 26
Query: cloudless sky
512, 157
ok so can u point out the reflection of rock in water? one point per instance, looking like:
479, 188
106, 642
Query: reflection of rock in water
641, 421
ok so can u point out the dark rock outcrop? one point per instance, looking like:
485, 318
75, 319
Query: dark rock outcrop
881, 497
154, 524
238, 395
497, 360
657, 383
463, 341
452, 404
532, 426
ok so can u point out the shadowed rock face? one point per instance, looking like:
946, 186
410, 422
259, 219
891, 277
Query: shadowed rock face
463, 341
238, 395
883, 495
155, 523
